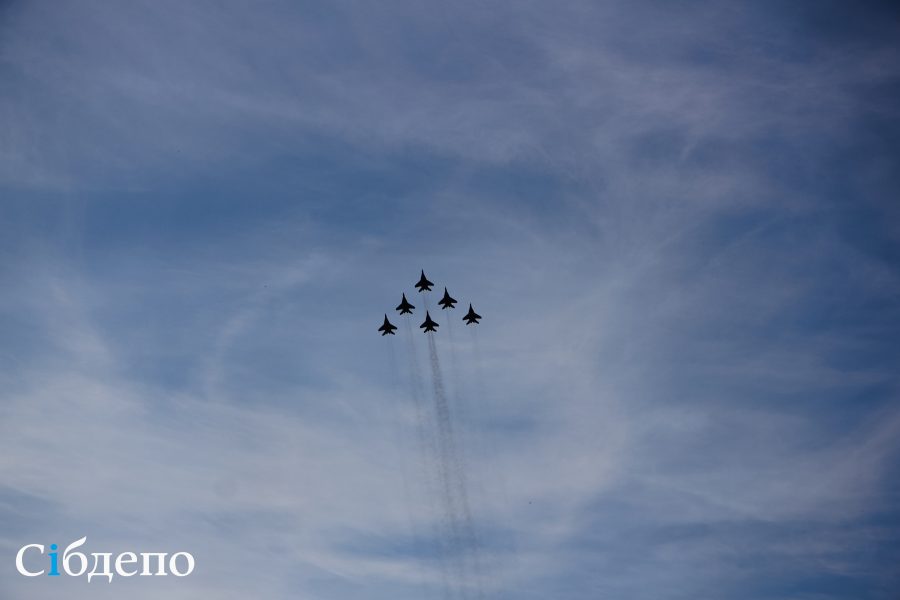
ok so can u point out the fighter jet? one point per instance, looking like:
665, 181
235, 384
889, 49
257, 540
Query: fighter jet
471, 316
447, 301
424, 285
387, 328
428, 324
405, 306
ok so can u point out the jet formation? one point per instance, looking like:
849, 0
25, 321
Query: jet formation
428, 325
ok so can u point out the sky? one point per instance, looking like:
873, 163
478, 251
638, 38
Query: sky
679, 220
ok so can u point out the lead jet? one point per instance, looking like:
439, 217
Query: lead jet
428, 324
447, 301
424, 285
405, 306
471, 316
387, 328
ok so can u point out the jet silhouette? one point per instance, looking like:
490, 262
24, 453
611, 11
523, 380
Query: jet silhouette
471, 316
405, 306
387, 328
424, 285
428, 324
447, 301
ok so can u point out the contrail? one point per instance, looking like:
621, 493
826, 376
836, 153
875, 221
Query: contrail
428, 459
446, 461
453, 476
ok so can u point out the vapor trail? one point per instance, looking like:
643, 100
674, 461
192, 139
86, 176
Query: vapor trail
446, 460
453, 476
428, 462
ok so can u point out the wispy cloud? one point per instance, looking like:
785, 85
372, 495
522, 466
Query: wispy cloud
675, 220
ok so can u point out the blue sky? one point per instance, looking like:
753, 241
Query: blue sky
679, 220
